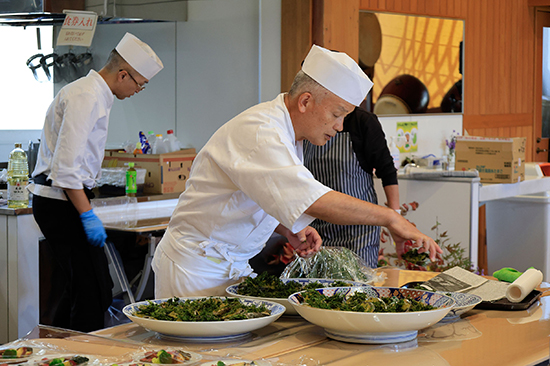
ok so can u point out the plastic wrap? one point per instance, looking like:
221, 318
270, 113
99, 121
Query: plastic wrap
117, 176
334, 263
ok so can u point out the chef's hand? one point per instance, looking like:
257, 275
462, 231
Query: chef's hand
93, 227
402, 230
306, 242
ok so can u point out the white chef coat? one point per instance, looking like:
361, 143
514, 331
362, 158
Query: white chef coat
73, 139
247, 179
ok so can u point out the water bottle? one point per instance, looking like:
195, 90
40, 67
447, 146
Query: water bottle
18, 178
159, 147
171, 141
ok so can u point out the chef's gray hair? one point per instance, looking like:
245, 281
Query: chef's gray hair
303, 83
115, 62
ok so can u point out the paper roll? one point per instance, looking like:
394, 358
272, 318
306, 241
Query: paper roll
527, 282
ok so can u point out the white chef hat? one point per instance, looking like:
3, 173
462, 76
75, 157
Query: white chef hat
338, 73
139, 55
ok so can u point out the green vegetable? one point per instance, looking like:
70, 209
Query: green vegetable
266, 285
206, 309
80, 359
361, 302
220, 363
9, 353
56, 361
336, 262
164, 357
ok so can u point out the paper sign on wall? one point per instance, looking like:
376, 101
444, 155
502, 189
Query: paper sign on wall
407, 136
78, 28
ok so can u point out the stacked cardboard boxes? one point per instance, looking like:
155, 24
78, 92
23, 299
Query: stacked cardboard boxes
498, 160
166, 173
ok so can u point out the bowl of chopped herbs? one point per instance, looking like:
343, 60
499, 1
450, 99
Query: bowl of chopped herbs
272, 288
204, 318
371, 314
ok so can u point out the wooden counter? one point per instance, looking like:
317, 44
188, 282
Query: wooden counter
480, 337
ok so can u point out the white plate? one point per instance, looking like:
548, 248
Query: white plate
233, 362
232, 291
357, 327
194, 357
205, 331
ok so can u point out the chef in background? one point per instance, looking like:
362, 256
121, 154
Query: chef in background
346, 164
249, 181
69, 161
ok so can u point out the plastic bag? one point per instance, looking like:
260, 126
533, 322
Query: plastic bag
334, 263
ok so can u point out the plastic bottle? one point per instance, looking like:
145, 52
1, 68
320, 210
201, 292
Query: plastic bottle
138, 150
151, 137
172, 141
18, 178
159, 146
131, 180
145, 146
394, 151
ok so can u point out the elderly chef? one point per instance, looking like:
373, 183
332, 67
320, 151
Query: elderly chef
69, 161
249, 180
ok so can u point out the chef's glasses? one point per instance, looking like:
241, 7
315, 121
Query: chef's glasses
140, 86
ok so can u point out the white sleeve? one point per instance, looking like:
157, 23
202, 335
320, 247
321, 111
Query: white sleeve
273, 177
79, 115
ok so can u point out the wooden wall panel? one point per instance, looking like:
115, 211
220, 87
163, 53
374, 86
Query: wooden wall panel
499, 57
296, 37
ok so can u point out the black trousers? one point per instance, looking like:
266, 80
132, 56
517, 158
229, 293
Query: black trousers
81, 283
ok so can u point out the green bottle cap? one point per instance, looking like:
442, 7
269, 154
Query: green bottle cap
131, 165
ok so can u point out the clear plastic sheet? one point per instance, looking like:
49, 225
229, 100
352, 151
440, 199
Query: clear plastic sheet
117, 176
334, 263
116, 211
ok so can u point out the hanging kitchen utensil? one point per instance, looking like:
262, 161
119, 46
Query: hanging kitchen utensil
370, 38
35, 65
83, 63
404, 93
47, 62
65, 65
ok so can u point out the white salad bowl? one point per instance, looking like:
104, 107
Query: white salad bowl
363, 327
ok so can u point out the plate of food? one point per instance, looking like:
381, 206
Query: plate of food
230, 362
168, 356
15, 355
204, 318
272, 288
63, 360
371, 314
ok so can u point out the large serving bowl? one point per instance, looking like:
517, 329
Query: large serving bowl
357, 327
463, 303
205, 330
290, 310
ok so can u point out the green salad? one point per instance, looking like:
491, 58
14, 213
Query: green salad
361, 302
266, 285
205, 309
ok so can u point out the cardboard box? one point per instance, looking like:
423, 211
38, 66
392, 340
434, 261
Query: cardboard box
166, 173
498, 160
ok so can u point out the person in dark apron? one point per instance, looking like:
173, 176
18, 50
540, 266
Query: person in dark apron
346, 164
69, 161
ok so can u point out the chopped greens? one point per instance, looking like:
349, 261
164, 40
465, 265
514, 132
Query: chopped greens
361, 302
266, 285
201, 310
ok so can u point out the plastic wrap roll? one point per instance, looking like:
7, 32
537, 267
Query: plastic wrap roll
523, 286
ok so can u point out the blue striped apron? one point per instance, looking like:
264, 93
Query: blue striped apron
336, 166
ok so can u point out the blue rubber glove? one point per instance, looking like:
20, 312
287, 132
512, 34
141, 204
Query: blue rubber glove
93, 227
